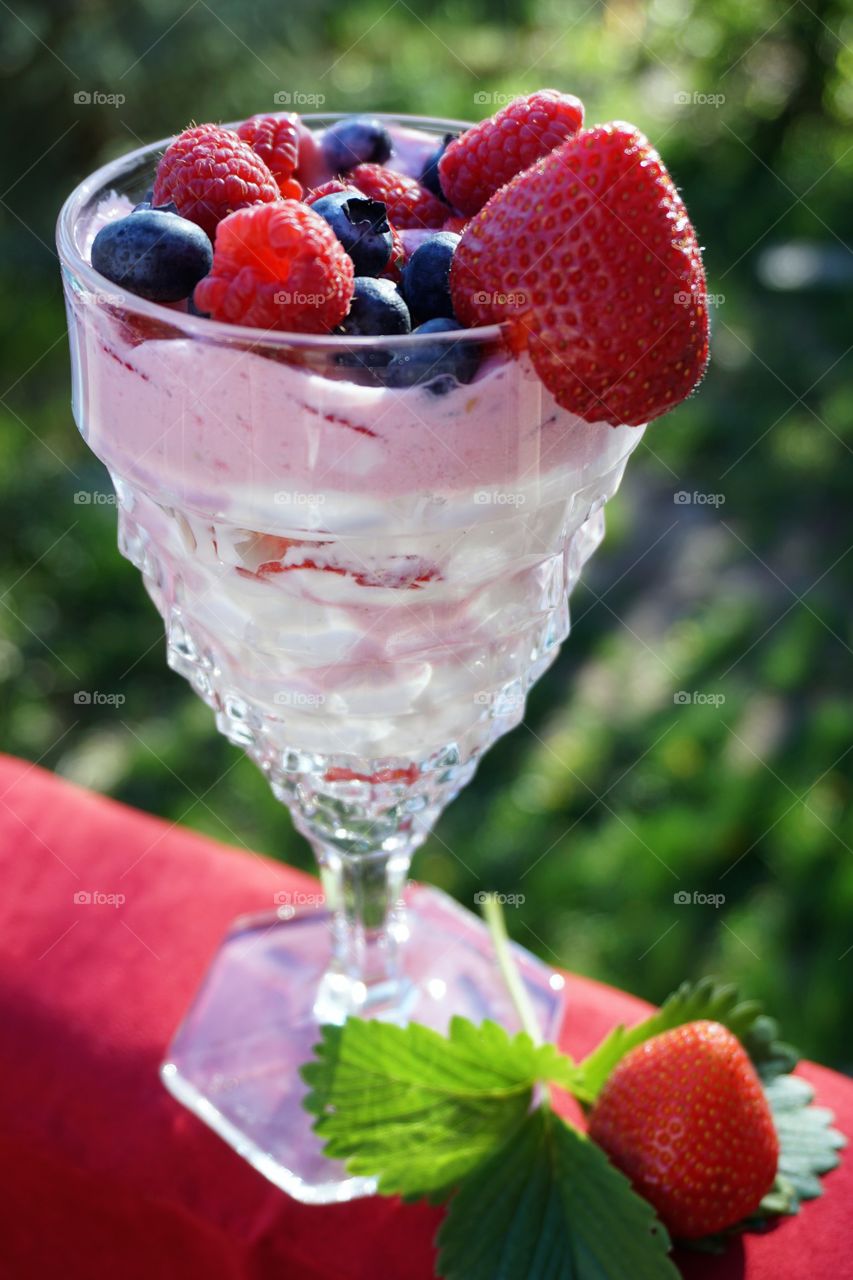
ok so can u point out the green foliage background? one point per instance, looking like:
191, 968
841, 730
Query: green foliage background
613, 796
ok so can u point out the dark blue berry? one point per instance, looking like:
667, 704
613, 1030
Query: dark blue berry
376, 308
430, 176
439, 366
426, 277
356, 140
153, 253
362, 227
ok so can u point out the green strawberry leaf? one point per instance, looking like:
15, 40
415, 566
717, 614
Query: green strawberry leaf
549, 1206
419, 1110
706, 999
808, 1145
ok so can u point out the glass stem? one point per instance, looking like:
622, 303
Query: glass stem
363, 894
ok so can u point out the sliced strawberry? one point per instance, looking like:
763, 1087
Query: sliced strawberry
408, 775
591, 257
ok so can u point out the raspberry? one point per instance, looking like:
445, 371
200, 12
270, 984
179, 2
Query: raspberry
290, 189
278, 266
456, 222
394, 270
311, 167
492, 152
409, 204
590, 256
276, 140
208, 172
330, 188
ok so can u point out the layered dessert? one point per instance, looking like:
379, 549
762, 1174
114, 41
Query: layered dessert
363, 389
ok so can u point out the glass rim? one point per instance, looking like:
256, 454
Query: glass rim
105, 177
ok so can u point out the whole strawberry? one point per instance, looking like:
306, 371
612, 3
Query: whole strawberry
208, 172
278, 266
492, 152
591, 257
684, 1116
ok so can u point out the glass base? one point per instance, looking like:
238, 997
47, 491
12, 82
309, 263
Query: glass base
235, 1060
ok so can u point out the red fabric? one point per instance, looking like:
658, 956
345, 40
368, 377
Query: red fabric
102, 1174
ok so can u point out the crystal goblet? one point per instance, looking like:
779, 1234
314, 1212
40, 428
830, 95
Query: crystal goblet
362, 581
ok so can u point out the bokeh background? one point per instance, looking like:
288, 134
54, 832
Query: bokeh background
693, 736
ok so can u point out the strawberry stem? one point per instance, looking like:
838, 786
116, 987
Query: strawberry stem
494, 917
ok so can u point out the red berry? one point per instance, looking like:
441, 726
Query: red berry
329, 188
276, 140
209, 172
591, 256
492, 152
394, 270
684, 1116
311, 167
278, 266
409, 204
409, 775
456, 222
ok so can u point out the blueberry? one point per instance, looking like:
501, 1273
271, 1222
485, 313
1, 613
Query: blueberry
429, 175
154, 254
438, 366
362, 227
356, 140
426, 277
376, 308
